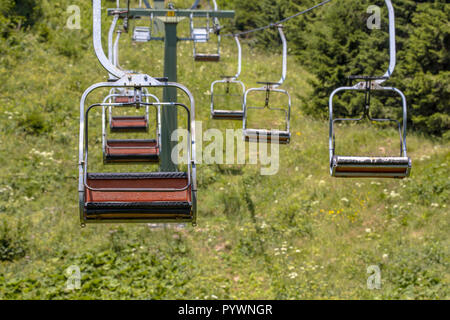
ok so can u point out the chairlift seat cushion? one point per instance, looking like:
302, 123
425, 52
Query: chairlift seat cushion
129, 123
371, 167
258, 135
228, 114
123, 151
138, 205
207, 57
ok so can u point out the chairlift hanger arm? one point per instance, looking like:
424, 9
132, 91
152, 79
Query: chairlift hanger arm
238, 43
273, 85
392, 44
377, 80
284, 41
110, 41
97, 38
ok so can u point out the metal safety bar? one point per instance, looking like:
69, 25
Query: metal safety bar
86, 147
158, 118
366, 114
268, 90
272, 87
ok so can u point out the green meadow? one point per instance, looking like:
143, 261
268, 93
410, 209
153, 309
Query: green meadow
298, 234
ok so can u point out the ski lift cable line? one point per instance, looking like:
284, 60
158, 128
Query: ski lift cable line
277, 23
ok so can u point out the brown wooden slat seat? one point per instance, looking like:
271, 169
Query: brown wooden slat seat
129, 124
371, 167
228, 114
125, 151
124, 99
254, 135
207, 57
138, 205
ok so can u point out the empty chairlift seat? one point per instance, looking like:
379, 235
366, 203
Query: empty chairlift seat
202, 35
229, 82
128, 151
142, 34
281, 136
122, 197
207, 57
373, 167
370, 167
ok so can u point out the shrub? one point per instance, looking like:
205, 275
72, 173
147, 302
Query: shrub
13, 244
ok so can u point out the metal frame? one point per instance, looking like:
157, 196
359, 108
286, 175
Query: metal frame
228, 80
104, 119
86, 147
170, 18
135, 81
201, 34
373, 84
146, 31
269, 87
113, 56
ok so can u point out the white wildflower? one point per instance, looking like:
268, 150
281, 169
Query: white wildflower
393, 194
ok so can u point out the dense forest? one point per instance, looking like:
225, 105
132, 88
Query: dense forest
334, 42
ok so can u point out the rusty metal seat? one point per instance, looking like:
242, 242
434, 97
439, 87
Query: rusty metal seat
204, 57
124, 99
115, 197
129, 124
370, 167
227, 114
271, 136
128, 151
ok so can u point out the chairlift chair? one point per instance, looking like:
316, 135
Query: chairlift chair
128, 123
140, 33
160, 197
143, 33
270, 135
134, 150
155, 197
202, 35
229, 82
373, 167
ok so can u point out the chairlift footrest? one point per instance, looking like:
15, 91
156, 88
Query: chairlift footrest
255, 135
227, 115
370, 167
130, 151
207, 57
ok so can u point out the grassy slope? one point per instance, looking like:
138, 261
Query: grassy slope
298, 234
